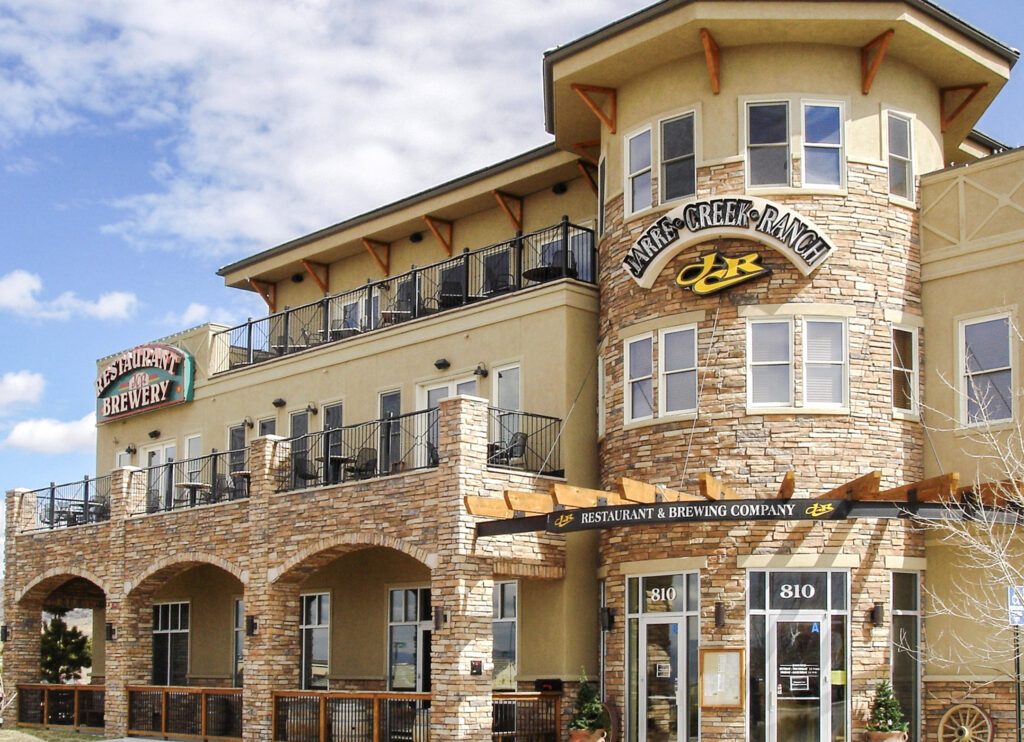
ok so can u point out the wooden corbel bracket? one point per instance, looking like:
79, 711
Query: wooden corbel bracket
586, 92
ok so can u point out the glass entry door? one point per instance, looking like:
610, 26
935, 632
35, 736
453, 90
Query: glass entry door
661, 691
799, 666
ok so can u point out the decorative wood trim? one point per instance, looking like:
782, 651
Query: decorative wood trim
869, 67
583, 150
589, 176
267, 292
584, 92
434, 225
787, 486
862, 488
712, 489
383, 263
488, 507
507, 201
972, 93
993, 494
311, 268
711, 56
633, 490
529, 502
935, 489
581, 497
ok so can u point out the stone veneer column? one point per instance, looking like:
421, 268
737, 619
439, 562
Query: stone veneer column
462, 583
21, 651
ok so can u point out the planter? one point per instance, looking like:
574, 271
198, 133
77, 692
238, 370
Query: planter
586, 735
886, 736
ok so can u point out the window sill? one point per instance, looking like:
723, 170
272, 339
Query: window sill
900, 201
791, 190
765, 411
976, 429
666, 420
906, 415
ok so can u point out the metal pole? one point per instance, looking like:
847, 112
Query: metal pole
1016, 672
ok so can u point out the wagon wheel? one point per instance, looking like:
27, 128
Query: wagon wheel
965, 723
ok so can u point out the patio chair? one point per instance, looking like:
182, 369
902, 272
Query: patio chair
365, 465
511, 453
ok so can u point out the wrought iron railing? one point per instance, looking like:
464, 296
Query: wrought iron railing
526, 717
561, 251
202, 480
324, 716
203, 713
363, 451
50, 705
522, 440
72, 504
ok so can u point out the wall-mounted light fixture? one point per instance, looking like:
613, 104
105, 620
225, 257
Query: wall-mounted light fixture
297, 278
154, 434
130, 450
438, 618
416, 237
312, 409
559, 188
247, 422
604, 618
110, 632
279, 402
5, 633
480, 370
250, 625
441, 364
877, 614
719, 614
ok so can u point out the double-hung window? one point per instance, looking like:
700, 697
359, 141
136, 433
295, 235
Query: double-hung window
823, 144
906, 644
987, 375
677, 370
904, 370
638, 171
824, 363
901, 169
504, 634
315, 631
678, 161
767, 144
770, 363
639, 402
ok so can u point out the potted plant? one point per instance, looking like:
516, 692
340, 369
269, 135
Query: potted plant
886, 721
588, 715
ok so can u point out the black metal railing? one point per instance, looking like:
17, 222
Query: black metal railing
561, 251
310, 716
522, 440
204, 713
72, 503
203, 480
46, 705
362, 451
526, 717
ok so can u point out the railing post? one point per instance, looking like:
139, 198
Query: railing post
593, 256
517, 254
46, 708
248, 340
202, 712
285, 322
214, 481
322, 726
74, 711
53, 504
325, 330
163, 712
565, 245
376, 719
85, 498
415, 292
465, 275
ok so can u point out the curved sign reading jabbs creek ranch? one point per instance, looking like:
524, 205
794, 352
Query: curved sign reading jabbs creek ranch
751, 218
142, 379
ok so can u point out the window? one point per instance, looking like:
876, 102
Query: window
987, 374
677, 379
639, 402
768, 144
267, 426
601, 195
193, 464
409, 629
906, 638
314, 639
170, 643
638, 172
600, 397
238, 637
901, 168
824, 363
303, 471
823, 144
678, 162
506, 395
769, 364
122, 459
390, 430
904, 370
504, 635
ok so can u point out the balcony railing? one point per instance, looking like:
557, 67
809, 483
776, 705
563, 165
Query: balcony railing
363, 451
526, 717
203, 713
561, 251
324, 716
522, 440
73, 503
77, 706
202, 480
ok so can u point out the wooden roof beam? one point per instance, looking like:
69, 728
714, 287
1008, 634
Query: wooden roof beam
436, 226
267, 292
488, 507
512, 206
712, 489
530, 502
580, 497
312, 268
972, 93
583, 149
633, 490
585, 92
711, 56
862, 488
589, 176
787, 487
869, 67
384, 263
994, 494
935, 489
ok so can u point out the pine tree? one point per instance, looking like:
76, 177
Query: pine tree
65, 651
886, 714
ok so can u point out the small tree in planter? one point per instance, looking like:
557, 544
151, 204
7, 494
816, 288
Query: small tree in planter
588, 715
886, 721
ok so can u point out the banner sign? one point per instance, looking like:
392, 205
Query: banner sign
617, 516
143, 379
751, 218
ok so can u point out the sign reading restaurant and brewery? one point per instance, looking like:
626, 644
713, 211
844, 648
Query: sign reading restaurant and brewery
772, 224
142, 379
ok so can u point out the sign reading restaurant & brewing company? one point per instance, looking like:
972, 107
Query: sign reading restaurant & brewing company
141, 379
752, 218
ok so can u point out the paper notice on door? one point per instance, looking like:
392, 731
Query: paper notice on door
839, 677
663, 670
799, 683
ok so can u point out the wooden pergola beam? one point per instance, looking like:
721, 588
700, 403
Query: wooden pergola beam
583, 149
869, 67
529, 502
993, 494
972, 93
588, 176
488, 507
864, 487
711, 56
435, 226
312, 267
712, 489
384, 263
935, 489
267, 292
585, 92
787, 487
580, 497
512, 205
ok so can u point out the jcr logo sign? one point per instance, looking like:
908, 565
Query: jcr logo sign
716, 272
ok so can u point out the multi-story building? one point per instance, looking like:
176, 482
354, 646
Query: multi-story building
645, 402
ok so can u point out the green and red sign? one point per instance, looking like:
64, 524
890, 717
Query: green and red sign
143, 379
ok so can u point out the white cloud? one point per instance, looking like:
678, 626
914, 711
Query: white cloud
197, 314
46, 435
18, 294
20, 387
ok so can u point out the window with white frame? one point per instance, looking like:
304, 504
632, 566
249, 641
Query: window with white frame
267, 426
824, 363
823, 144
506, 611
638, 171
639, 396
170, 643
901, 168
770, 363
987, 374
677, 370
122, 459
314, 639
601, 380
768, 144
904, 369
238, 641
678, 159
906, 642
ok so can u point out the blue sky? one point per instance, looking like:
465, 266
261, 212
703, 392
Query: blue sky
144, 145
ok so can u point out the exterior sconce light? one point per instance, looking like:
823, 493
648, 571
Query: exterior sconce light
441, 364
297, 278
480, 370
154, 434
110, 632
5, 633
604, 618
250, 625
416, 237
719, 614
247, 422
559, 188
279, 402
130, 450
438, 618
877, 614
311, 408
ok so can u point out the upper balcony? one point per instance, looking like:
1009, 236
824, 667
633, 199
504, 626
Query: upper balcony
563, 250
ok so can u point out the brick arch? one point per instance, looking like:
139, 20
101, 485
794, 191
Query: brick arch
181, 562
54, 577
330, 548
